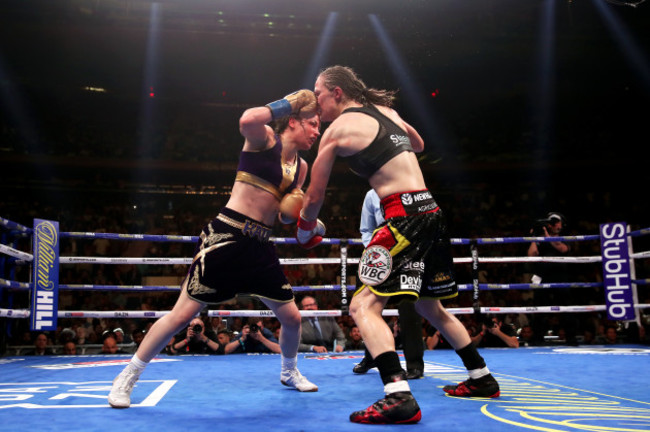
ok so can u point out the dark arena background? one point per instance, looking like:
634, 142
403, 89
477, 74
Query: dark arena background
119, 121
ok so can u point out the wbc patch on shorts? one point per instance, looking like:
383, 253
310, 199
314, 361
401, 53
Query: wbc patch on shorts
375, 265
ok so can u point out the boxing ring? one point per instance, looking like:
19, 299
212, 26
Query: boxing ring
550, 388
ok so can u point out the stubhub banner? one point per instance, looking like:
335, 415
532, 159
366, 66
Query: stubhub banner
616, 272
45, 295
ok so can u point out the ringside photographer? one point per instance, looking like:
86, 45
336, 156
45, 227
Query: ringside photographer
551, 226
255, 338
197, 340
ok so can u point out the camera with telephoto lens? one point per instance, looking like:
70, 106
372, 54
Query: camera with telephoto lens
254, 328
538, 227
487, 322
551, 218
196, 328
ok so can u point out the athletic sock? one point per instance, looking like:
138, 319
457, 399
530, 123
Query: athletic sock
391, 372
474, 363
289, 363
137, 364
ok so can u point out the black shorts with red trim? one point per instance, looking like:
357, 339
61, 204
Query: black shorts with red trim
410, 253
234, 255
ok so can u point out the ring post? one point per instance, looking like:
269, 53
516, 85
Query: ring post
617, 281
345, 307
475, 288
45, 275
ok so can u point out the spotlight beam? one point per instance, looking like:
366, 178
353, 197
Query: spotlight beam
145, 146
413, 92
544, 98
324, 45
631, 50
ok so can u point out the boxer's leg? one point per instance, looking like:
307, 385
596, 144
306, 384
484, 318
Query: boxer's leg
156, 339
481, 383
289, 317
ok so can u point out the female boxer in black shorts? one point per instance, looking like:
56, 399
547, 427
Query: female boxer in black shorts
234, 254
410, 256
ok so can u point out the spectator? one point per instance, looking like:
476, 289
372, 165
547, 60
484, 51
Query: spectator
587, 338
611, 336
355, 341
196, 340
255, 338
527, 337
41, 346
319, 334
549, 272
66, 335
110, 346
224, 337
216, 324
81, 335
435, 340
119, 335
69, 348
495, 333
137, 335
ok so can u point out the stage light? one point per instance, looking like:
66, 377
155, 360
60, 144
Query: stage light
321, 51
95, 89
633, 52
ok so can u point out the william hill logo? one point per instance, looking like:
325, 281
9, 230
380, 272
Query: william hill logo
46, 270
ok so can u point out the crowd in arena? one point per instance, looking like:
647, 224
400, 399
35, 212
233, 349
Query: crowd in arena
479, 206
183, 215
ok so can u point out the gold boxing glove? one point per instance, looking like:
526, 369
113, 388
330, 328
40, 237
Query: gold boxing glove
290, 206
302, 102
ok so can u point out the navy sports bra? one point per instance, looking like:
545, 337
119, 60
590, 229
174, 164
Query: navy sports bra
267, 170
390, 141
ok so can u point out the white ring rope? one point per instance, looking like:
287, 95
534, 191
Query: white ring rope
25, 313
305, 261
8, 250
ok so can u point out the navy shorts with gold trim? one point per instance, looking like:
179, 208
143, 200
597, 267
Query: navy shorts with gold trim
415, 236
234, 255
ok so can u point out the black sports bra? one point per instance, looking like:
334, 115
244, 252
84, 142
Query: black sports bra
390, 141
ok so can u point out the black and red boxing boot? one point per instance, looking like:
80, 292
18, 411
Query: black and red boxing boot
485, 387
395, 408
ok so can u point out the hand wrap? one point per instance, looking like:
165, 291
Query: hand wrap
309, 233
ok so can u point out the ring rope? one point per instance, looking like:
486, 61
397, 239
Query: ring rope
15, 226
461, 287
302, 261
291, 240
25, 313
8, 250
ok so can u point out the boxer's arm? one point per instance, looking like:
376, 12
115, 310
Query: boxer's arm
310, 230
416, 140
304, 167
320, 174
253, 127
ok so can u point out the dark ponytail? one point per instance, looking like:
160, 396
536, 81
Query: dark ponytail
354, 88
